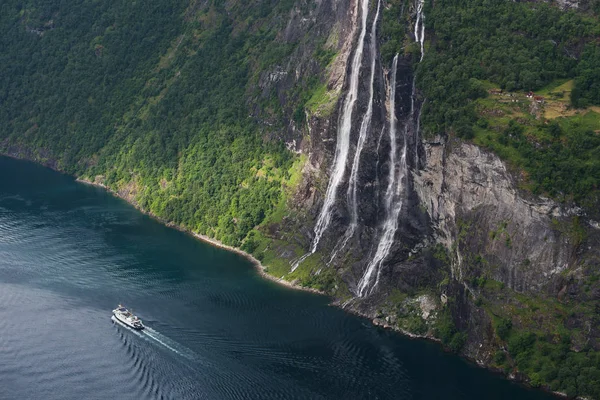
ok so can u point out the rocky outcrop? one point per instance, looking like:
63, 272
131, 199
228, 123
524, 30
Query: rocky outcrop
463, 220
566, 4
477, 210
472, 246
328, 25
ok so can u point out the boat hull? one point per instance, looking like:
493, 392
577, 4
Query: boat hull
127, 323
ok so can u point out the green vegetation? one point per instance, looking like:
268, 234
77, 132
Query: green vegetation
154, 100
446, 331
161, 101
502, 326
586, 90
519, 46
478, 45
549, 361
540, 344
409, 314
322, 101
559, 155
393, 30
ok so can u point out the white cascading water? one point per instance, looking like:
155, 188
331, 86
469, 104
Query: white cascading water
343, 139
393, 199
420, 38
364, 126
420, 27
362, 138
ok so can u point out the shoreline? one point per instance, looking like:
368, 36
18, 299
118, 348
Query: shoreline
258, 266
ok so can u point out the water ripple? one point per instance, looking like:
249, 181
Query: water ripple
69, 253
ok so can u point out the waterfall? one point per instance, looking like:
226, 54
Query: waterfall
420, 27
343, 139
364, 127
398, 180
420, 38
362, 137
393, 194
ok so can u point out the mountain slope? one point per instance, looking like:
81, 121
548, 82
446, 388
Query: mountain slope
389, 153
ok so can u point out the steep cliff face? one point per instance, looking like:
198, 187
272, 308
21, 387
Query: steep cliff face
374, 220
323, 27
532, 246
352, 190
431, 236
476, 208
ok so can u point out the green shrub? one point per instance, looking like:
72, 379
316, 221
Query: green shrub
502, 326
446, 331
521, 342
457, 342
499, 357
535, 380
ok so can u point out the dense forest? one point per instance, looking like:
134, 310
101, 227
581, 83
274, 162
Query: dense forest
166, 103
165, 96
517, 47
161, 104
521, 79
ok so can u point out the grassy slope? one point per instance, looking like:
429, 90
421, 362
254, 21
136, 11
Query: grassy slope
476, 45
531, 136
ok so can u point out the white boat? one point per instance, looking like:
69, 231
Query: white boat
125, 316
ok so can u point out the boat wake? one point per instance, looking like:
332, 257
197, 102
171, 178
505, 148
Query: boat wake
169, 343
152, 335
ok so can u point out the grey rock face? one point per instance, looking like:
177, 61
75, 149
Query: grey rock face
458, 197
468, 191
323, 23
566, 4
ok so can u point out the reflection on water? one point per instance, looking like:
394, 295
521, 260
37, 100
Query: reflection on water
69, 253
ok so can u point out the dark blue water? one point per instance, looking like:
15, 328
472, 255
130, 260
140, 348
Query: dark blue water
216, 330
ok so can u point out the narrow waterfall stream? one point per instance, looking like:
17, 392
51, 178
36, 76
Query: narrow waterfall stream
393, 199
343, 139
365, 126
420, 38
420, 28
397, 184
215, 329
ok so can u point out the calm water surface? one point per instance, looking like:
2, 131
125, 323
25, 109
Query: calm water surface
70, 252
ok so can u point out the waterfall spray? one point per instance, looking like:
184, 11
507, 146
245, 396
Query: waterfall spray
393, 200
364, 127
362, 137
397, 184
343, 139
420, 27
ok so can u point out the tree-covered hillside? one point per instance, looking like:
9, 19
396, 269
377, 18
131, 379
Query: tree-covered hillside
523, 79
151, 98
188, 107
163, 100
506, 48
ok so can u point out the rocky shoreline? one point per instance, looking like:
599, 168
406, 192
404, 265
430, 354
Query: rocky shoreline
22, 154
260, 268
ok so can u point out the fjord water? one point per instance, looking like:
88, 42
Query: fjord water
216, 330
